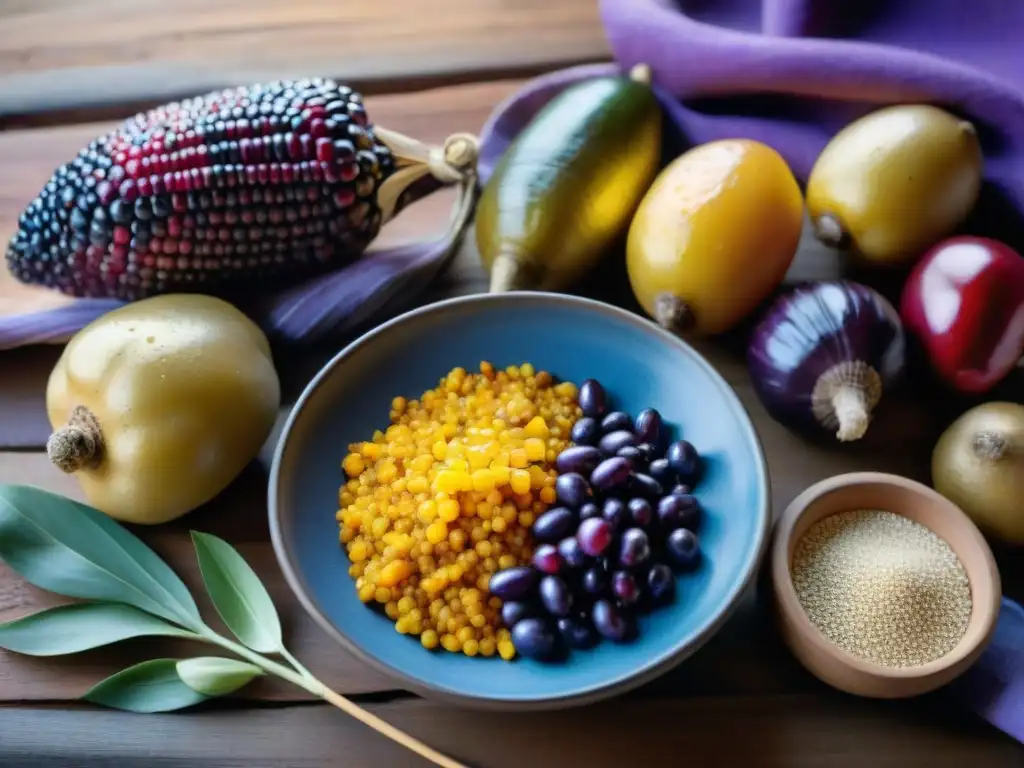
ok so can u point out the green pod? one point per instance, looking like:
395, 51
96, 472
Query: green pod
569, 183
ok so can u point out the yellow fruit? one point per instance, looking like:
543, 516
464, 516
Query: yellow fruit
160, 404
891, 184
714, 235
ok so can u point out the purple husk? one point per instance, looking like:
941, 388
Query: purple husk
812, 333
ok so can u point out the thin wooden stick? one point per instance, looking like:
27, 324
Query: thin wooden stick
386, 729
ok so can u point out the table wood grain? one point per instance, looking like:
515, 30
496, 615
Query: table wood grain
66, 72
60, 57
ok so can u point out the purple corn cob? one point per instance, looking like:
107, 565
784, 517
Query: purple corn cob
242, 188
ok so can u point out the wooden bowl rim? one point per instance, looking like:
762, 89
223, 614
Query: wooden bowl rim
984, 613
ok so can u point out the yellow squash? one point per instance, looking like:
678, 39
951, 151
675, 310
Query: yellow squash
893, 183
159, 405
568, 184
714, 235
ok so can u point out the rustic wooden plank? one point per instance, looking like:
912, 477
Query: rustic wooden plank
771, 731
81, 56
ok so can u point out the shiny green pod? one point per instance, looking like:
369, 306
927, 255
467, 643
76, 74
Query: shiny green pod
569, 183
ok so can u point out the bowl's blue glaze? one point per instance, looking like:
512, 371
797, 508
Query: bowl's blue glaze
639, 364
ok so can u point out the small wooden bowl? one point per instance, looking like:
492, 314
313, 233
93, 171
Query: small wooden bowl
876, 490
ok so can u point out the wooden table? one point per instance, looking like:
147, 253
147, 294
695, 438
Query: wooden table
430, 69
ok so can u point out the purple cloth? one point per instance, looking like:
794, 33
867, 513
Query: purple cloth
994, 686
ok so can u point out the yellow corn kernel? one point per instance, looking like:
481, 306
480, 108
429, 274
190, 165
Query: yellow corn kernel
520, 481
458, 465
358, 551
506, 561
429, 639
439, 450
548, 495
353, 465
418, 484
483, 480
518, 459
422, 463
450, 643
457, 540
488, 646
427, 511
506, 650
394, 573
448, 511
535, 449
437, 532
478, 457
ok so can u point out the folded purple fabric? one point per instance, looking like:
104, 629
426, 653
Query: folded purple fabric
994, 686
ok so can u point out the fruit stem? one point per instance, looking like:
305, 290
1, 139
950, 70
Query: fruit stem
829, 231
672, 313
78, 444
641, 73
851, 408
990, 446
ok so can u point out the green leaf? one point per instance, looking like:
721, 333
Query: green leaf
238, 594
216, 675
74, 628
152, 686
74, 550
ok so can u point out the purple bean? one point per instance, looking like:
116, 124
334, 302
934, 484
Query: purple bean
609, 473
586, 431
516, 583
572, 490
615, 421
613, 442
592, 399
533, 638
578, 458
648, 426
554, 524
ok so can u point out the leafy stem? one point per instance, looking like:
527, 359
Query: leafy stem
286, 654
307, 681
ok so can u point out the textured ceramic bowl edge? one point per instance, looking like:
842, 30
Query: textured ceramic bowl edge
842, 670
646, 674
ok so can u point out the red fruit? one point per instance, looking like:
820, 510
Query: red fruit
964, 301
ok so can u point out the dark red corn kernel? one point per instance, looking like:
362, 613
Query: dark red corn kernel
324, 150
106, 193
128, 191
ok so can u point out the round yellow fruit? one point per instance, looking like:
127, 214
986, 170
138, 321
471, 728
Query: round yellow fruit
893, 183
159, 405
714, 236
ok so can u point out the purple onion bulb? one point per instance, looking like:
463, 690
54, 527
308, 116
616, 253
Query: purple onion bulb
823, 355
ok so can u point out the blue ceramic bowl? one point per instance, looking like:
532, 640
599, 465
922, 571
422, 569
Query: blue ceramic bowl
639, 364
